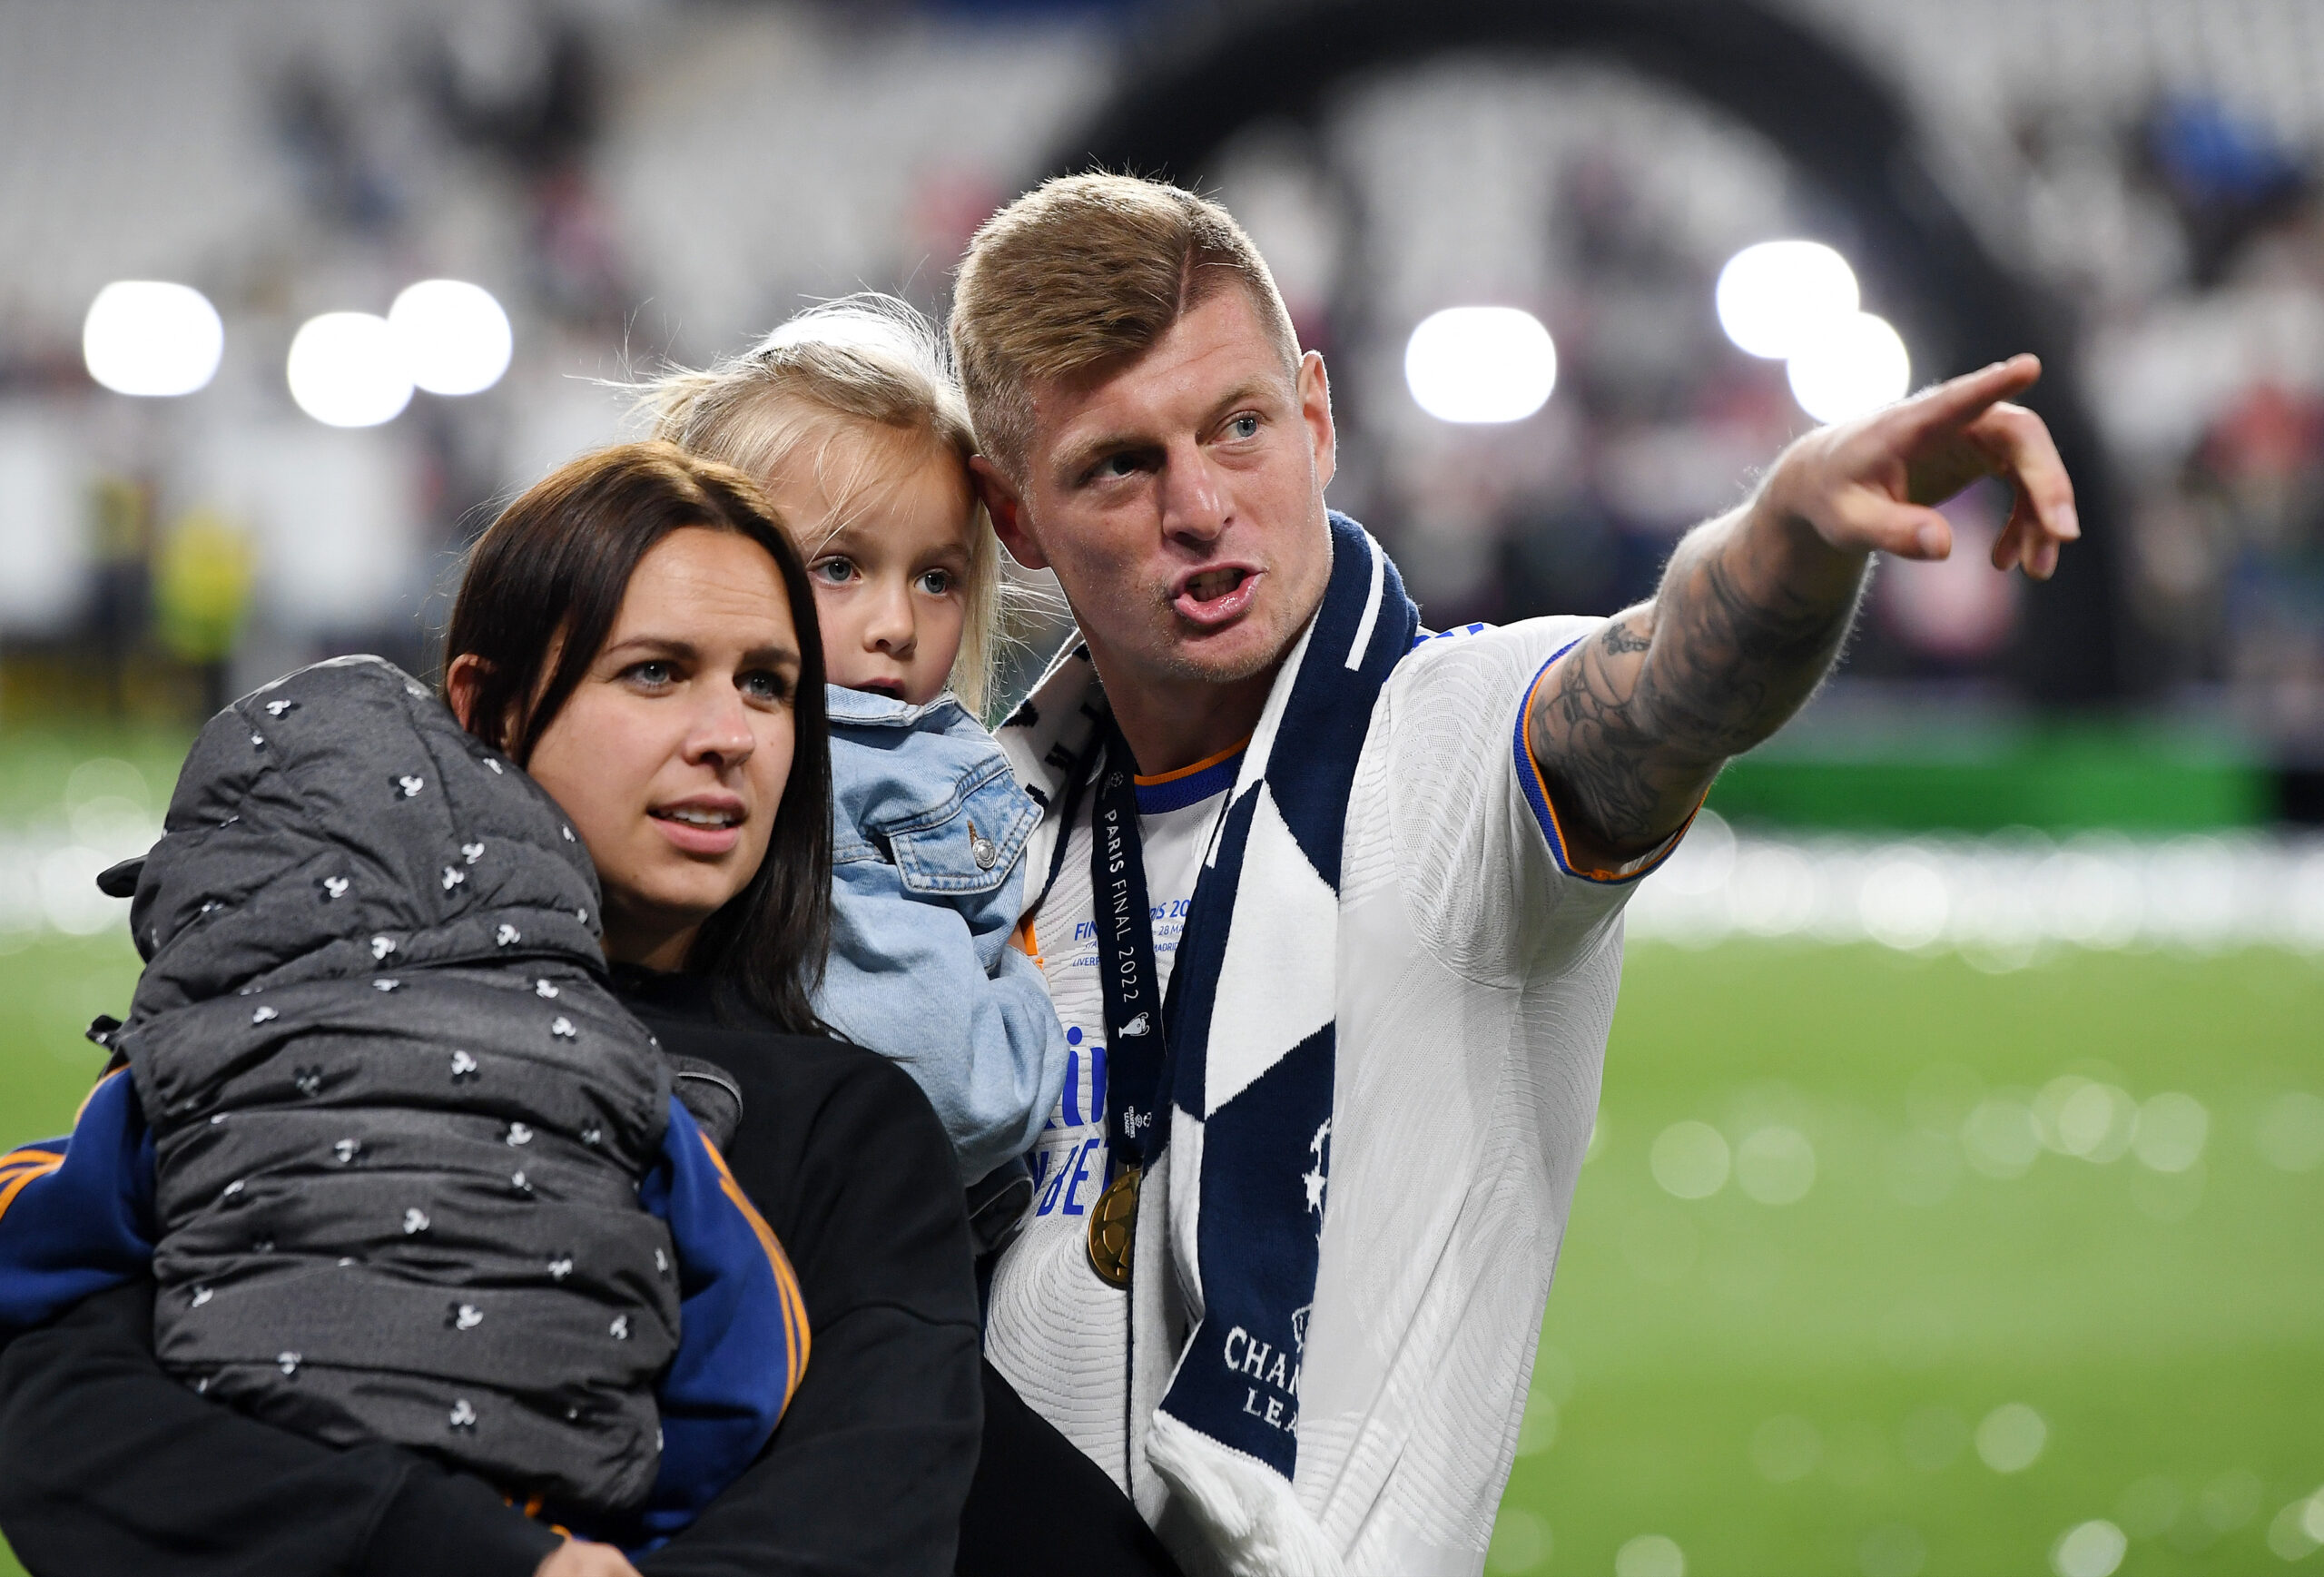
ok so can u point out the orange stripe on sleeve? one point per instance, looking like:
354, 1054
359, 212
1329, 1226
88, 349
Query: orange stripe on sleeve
1634, 869
100, 1084
797, 1339
16, 1183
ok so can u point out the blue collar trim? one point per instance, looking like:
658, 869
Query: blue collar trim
1154, 798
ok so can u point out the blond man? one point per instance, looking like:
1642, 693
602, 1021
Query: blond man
1330, 909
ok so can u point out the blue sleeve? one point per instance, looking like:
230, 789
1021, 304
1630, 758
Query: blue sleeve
742, 1332
930, 982
76, 1214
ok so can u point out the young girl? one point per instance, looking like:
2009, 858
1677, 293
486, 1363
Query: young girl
850, 417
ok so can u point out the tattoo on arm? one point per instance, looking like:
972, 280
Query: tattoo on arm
1634, 724
1620, 639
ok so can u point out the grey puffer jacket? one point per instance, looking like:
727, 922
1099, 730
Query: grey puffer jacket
400, 1123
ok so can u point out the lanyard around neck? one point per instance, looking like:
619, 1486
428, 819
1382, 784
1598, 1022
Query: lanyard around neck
1127, 977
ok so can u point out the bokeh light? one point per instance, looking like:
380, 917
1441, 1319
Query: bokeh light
1786, 1449
347, 370
1520, 1542
1651, 1555
454, 337
2011, 1437
1538, 1430
1904, 904
1474, 365
1690, 1160
2230, 1500
1849, 367
1892, 1550
2171, 1129
2091, 1549
2293, 1535
2084, 1118
1775, 1164
1777, 296
2000, 1139
152, 338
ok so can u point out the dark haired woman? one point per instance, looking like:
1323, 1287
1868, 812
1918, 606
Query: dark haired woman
638, 634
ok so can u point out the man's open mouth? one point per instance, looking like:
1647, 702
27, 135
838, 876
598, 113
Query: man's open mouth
1213, 583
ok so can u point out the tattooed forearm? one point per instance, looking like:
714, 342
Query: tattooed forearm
1634, 724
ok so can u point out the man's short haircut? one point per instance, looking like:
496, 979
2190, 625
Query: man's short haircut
1083, 271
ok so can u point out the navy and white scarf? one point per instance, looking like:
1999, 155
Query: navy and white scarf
1247, 1156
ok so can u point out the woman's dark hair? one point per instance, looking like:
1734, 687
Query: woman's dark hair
543, 586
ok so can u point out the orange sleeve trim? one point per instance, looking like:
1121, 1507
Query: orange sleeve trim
100, 1084
532, 1509
17, 1181
796, 1338
1025, 940
1547, 802
1206, 763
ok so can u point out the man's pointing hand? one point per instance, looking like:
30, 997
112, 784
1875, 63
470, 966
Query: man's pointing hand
1872, 484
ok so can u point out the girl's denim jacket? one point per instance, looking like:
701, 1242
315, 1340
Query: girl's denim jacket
928, 831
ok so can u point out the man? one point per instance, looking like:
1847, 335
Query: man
1331, 910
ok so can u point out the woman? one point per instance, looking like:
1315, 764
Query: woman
637, 632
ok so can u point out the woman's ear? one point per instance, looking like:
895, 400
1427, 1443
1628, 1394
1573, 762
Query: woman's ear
462, 680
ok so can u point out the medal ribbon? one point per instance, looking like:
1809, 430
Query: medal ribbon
1127, 974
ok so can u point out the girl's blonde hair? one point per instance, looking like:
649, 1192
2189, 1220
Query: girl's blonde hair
867, 358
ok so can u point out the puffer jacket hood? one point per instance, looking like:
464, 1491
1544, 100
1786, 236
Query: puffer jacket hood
400, 1119
340, 821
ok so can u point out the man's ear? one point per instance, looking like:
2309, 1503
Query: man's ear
462, 680
1316, 411
1006, 505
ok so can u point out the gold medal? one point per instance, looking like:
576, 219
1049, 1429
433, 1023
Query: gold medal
1113, 1228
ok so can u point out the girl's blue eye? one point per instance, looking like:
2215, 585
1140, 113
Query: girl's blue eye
835, 570
936, 582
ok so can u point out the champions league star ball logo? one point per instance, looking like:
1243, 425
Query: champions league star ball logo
1315, 1177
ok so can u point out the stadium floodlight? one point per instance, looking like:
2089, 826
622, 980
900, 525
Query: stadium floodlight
152, 338
1777, 296
1854, 366
454, 336
1474, 365
347, 370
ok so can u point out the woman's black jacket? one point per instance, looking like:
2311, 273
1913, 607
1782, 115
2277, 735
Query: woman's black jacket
109, 1466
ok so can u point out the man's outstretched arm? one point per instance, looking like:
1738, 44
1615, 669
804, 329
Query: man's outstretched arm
1630, 726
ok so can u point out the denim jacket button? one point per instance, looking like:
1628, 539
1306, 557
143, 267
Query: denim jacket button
984, 851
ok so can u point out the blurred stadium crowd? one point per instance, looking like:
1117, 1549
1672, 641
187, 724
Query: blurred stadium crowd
635, 180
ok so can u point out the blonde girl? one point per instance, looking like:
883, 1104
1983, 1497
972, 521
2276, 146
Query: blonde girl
850, 417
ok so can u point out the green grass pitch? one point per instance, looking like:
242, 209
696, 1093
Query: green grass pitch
1795, 1388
